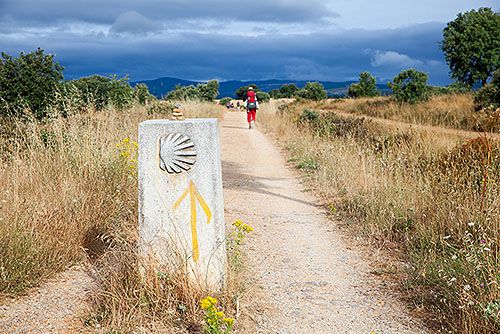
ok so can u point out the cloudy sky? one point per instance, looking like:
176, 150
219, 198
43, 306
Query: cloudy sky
230, 39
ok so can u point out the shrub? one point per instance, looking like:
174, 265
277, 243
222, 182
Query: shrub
102, 92
200, 92
410, 86
225, 100
29, 81
489, 95
263, 97
313, 91
142, 94
308, 115
365, 87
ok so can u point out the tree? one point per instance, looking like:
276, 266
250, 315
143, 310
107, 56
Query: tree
288, 91
367, 86
410, 86
208, 91
471, 45
241, 93
313, 91
31, 81
142, 94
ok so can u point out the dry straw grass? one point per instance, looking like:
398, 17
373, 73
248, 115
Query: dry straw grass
452, 110
436, 194
69, 193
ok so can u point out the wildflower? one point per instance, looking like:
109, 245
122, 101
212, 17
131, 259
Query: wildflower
229, 321
219, 314
467, 287
208, 302
247, 228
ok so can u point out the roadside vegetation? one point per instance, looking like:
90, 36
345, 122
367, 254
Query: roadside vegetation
68, 196
433, 192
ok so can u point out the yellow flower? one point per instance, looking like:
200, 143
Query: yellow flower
219, 314
238, 223
247, 228
229, 321
208, 302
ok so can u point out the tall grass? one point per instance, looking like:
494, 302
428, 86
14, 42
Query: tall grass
68, 194
436, 194
451, 110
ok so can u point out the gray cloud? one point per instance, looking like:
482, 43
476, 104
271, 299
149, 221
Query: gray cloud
98, 11
332, 56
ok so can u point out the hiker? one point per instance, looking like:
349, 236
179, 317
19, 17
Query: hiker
252, 105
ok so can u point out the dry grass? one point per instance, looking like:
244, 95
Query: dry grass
69, 193
452, 111
435, 194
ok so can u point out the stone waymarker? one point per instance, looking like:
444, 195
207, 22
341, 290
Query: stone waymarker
181, 208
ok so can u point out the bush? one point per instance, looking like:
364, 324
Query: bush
200, 92
489, 95
454, 88
287, 91
225, 100
29, 81
142, 94
263, 97
313, 91
410, 86
366, 86
308, 115
102, 91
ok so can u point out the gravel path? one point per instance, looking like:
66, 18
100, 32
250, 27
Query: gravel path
307, 279
55, 307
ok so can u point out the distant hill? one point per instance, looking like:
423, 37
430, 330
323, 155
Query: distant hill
160, 87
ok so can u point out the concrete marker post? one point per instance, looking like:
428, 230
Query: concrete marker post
181, 207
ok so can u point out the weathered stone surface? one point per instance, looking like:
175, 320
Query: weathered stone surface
181, 207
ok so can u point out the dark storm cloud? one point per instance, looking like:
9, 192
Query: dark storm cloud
105, 12
331, 56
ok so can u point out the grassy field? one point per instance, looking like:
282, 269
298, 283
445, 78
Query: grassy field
68, 194
435, 193
452, 111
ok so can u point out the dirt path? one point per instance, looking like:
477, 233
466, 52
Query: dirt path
55, 307
308, 280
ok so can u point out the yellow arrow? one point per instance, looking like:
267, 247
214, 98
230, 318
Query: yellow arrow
193, 196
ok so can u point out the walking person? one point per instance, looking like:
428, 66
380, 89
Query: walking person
252, 106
